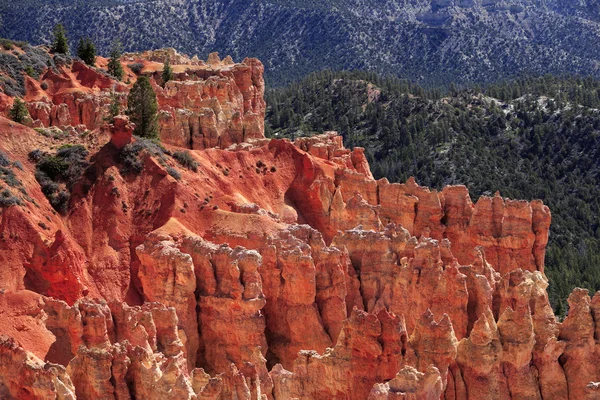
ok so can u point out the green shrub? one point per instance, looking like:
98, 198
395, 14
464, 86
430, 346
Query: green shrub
186, 159
8, 176
114, 64
174, 173
66, 167
6, 44
29, 70
4, 160
167, 72
36, 155
49, 188
130, 155
136, 68
60, 202
114, 109
7, 199
54, 167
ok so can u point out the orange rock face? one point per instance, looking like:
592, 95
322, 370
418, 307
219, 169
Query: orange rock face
204, 106
266, 269
215, 106
121, 131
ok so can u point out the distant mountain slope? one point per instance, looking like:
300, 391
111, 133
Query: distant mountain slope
434, 41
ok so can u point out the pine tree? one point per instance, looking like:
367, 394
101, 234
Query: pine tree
60, 44
142, 108
86, 50
18, 112
114, 64
114, 109
167, 73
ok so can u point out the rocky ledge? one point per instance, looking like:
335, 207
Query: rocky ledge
265, 269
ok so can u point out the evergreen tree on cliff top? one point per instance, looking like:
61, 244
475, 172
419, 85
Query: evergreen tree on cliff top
60, 44
86, 50
114, 109
18, 111
114, 64
142, 108
167, 72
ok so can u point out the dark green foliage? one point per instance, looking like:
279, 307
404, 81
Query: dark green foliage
35, 155
13, 81
184, 158
60, 43
7, 199
131, 155
114, 63
54, 167
6, 44
8, 177
115, 107
174, 173
49, 187
18, 111
142, 108
57, 174
76, 159
60, 201
62, 60
540, 138
31, 72
86, 50
130, 160
167, 72
136, 68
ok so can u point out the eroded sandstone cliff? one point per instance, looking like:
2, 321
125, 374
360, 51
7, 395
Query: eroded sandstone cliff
271, 270
207, 104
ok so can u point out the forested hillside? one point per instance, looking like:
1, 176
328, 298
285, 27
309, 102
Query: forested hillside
529, 139
430, 41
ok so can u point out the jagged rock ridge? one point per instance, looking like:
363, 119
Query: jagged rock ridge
212, 104
275, 270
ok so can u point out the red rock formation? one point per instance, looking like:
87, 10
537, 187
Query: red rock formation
205, 106
230, 318
410, 384
74, 95
271, 270
306, 286
24, 376
121, 131
214, 107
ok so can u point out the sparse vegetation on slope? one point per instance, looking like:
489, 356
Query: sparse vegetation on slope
12, 191
58, 173
431, 41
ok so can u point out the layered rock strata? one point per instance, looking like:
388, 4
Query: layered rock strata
272, 270
214, 104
